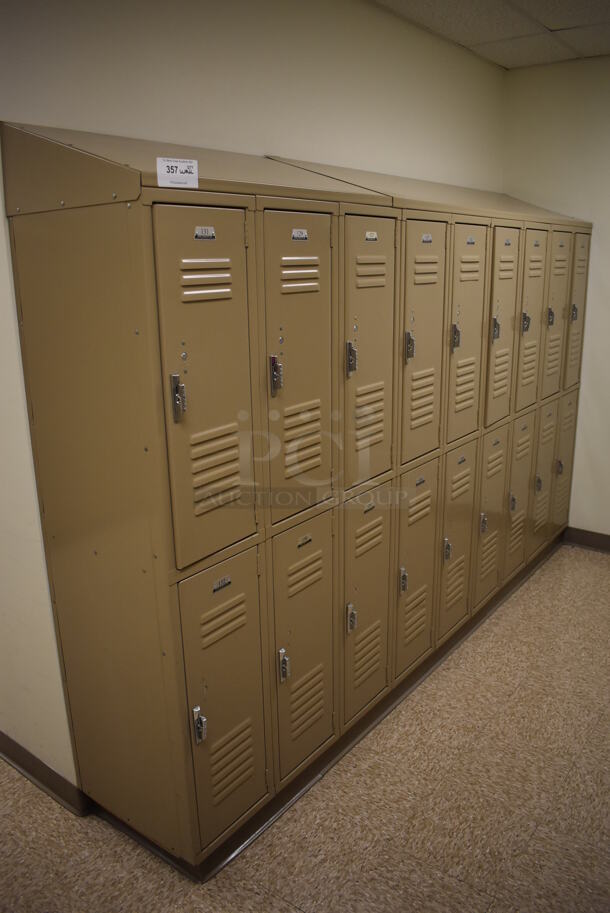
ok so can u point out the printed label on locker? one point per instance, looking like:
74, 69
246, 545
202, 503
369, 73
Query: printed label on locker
427, 238
536, 243
469, 240
221, 584
299, 234
371, 236
205, 233
177, 172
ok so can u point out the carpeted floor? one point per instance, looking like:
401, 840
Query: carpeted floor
486, 790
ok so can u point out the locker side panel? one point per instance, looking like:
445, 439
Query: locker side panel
367, 571
221, 631
529, 329
492, 513
556, 312
576, 313
502, 326
302, 590
298, 315
460, 479
422, 351
540, 495
416, 572
369, 322
522, 456
563, 461
470, 243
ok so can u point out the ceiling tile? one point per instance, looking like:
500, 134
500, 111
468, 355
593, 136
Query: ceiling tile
467, 23
590, 41
525, 52
565, 14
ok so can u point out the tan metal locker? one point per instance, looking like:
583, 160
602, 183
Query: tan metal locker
370, 246
492, 513
220, 614
203, 310
367, 571
298, 308
563, 461
522, 455
423, 337
576, 314
540, 496
530, 326
416, 553
303, 600
502, 327
556, 312
460, 477
469, 247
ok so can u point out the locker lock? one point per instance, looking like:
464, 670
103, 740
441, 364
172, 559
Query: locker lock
574, 313
351, 358
178, 396
276, 374
495, 329
456, 337
284, 664
447, 549
550, 317
403, 580
484, 523
538, 483
559, 467
409, 346
525, 322
512, 502
351, 618
200, 723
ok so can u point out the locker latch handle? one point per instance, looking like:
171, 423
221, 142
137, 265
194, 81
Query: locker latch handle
200, 723
484, 523
447, 549
276, 374
456, 337
351, 617
409, 346
403, 580
495, 329
525, 322
559, 467
538, 483
512, 501
574, 313
351, 358
178, 396
550, 317
284, 664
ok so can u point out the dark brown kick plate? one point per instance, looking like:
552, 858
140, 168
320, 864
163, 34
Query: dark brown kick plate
584, 537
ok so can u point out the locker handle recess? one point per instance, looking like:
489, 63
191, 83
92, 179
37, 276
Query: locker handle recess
447, 549
276, 374
495, 329
574, 313
456, 337
178, 395
351, 358
284, 664
484, 523
559, 467
512, 502
403, 580
200, 723
550, 317
409, 346
538, 483
525, 322
351, 617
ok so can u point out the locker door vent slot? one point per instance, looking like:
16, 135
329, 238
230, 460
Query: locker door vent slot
206, 279
495, 463
302, 437
560, 266
553, 355
232, 761
415, 615
500, 373
307, 701
535, 266
367, 653
548, 432
460, 484
517, 532
470, 268
574, 351
370, 415
222, 620
455, 582
369, 536
529, 372
371, 272
300, 274
465, 384
489, 555
541, 511
580, 268
422, 397
419, 507
304, 573
523, 447
507, 267
426, 270
215, 466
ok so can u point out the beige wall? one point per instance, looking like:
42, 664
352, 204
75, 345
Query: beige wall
558, 155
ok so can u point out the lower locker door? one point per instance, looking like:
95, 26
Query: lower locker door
460, 476
554, 319
576, 311
416, 554
220, 614
562, 464
492, 514
367, 570
502, 327
540, 496
530, 320
369, 331
522, 454
302, 592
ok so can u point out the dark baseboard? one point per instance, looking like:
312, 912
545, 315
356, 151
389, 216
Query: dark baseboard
599, 541
49, 780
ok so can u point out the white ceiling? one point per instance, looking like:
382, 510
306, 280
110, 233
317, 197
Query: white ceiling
515, 33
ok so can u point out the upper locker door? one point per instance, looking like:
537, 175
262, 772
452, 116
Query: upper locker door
220, 614
576, 312
205, 349
298, 310
469, 247
416, 553
369, 329
460, 477
303, 600
530, 325
492, 513
522, 454
367, 570
556, 312
502, 327
423, 341
562, 468
540, 496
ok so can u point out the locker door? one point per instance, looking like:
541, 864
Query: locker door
556, 312
502, 326
369, 330
531, 317
563, 461
423, 342
576, 315
367, 570
302, 590
540, 496
492, 514
417, 548
298, 307
466, 330
203, 313
460, 474
522, 454
220, 614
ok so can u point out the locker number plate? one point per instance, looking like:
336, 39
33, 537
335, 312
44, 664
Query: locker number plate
177, 172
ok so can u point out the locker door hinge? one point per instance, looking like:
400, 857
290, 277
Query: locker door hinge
200, 724
351, 617
456, 337
276, 374
409, 346
525, 322
512, 502
447, 549
403, 580
574, 313
495, 329
484, 523
559, 467
550, 317
178, 395
284, 665
538, 484
351, 358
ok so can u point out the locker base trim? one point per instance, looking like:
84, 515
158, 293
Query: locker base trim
587, 539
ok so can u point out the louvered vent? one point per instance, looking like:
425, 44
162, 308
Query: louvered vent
535, 266
300, 274
426, 269
368, 536
541, 510
304, 573
206, 279
553, 355
489, 555
370, 415
548, 431
422, 397
455, 582
371, 271
523, 447
495, 463
460, 483
302, 438
306, 701
506, 268
232, 761
419, 507
470, 268
560, 265
367, 653
562, 498
415, 615
569, 417
517, 532
580, 266
500, 373
529, 365
215, 467
465, 384
574, 350
222, 620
